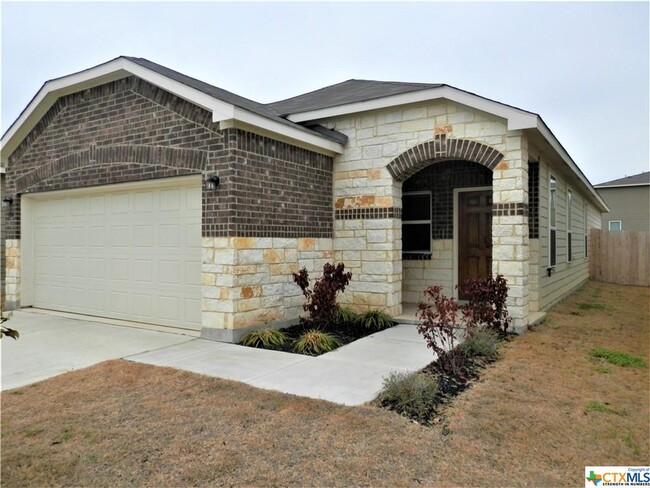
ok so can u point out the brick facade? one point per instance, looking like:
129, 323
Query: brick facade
129, 130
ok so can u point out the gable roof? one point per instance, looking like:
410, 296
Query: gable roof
227, 108
229, 97
642, 179
350, 91
294, 120
355, 96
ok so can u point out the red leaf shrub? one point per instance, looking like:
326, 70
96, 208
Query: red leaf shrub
444, 323
487, 301
321, 300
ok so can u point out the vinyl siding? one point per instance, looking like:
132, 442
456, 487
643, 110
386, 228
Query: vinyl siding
565, 276
630, 205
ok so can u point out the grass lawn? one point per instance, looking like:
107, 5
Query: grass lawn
536, 418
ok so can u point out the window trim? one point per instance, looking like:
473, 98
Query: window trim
609, 225
552, 220
569, 225
419, 222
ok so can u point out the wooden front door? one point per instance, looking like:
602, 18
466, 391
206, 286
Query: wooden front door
474, 235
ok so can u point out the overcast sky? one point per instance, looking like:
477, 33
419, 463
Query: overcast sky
582, 66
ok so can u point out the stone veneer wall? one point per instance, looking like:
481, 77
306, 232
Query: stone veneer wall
420, 273
371, 250
387, 146
247, 281
13, 273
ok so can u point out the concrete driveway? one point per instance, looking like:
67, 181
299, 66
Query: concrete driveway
351, 375
50, 345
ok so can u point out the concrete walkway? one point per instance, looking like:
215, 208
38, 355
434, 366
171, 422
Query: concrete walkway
351, 375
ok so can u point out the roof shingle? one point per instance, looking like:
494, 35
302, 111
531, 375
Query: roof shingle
640, 179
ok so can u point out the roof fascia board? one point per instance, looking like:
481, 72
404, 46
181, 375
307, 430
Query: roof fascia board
555, 144
121, 68
517, 119
260, 125
621, 186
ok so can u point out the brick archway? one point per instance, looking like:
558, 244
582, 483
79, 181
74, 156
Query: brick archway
440, 148
178, 158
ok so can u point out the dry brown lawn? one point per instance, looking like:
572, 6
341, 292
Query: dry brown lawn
524, 424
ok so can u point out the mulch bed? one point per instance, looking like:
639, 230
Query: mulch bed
345, 333
451, 385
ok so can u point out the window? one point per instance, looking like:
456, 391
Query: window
416, 222
552, 210
586, 231
615, 225
569, 226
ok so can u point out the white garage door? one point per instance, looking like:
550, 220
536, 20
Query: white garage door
123, 252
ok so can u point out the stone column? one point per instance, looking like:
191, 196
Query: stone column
510, 247
368, 239
13, 274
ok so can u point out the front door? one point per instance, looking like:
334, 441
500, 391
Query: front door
474, 235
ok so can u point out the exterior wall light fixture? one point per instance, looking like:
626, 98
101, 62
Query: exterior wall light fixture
212, 182
7, 202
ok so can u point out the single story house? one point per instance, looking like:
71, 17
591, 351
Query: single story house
628, 200
135, 192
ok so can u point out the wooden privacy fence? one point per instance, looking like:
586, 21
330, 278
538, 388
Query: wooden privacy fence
620, 257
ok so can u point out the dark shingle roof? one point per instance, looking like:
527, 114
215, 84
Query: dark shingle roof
236, 100
640, 179
350, 91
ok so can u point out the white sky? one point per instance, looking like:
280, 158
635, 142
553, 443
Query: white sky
582, 66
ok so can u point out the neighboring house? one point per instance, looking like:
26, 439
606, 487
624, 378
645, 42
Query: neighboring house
139, 193
628, 200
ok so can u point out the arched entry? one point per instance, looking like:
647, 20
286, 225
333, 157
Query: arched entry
446, 214
439, 149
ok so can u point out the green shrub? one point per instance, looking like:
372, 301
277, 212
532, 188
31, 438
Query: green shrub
265, 338
411, 394
315, 342
481, 343
617, 357
376, 320
346, 316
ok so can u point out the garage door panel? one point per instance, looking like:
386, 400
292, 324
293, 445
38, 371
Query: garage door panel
120, 204
170, 200
77, 206
120, 236
120, 269
193, 235
192, 310
96, 300
97, 236
76, 267
141, 306
143, 201
132, 255
143, 235
169, 235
